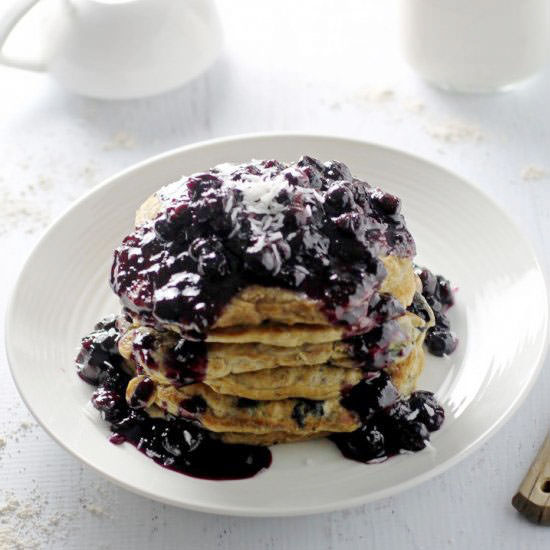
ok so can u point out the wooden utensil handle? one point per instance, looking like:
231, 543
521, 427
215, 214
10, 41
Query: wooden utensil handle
533, 496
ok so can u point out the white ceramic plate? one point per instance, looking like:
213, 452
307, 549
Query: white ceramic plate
500, 317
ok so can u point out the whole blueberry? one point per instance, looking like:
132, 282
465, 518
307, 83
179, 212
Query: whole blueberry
444, 292
364, 444
441, 320
338, 198
386, 203
428, 410
441, 341
413, 436
429, 282
371, 395
403, 430
335, 170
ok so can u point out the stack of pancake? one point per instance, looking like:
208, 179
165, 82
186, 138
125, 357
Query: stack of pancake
273, 367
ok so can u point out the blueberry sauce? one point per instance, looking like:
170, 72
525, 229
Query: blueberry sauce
390, 424
307, 226
185, 363
142, 393
440, 339
175, 443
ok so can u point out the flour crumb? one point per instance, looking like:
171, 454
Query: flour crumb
95, 510
89, 175
414, 106
21, 210
2, 442
9, 506
26, 425
533, 173
120, 140
455, 131
379, 94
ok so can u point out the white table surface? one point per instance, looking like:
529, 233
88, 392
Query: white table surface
313, 66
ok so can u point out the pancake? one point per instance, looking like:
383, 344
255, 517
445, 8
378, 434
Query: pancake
311, 382
226, 359
276, 334
405, 373
225, 413
315, 382
273, 438
306, 381
230, 359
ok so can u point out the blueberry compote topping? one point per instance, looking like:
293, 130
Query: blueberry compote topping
175, 443
440, 339
307, 226
389, 423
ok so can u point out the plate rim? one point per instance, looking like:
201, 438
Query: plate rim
249, 511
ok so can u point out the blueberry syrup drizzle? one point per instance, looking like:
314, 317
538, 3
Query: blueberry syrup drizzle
440, 339
142, 393
389, 423
307, 226
185, 363
175, 443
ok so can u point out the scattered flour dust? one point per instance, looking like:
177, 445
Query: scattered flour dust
455, 131
449, 131
23, 429
378, 94
21, 210
27, 524
533, 173
29, 206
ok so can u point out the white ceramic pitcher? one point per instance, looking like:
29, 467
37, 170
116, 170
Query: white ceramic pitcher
120, 49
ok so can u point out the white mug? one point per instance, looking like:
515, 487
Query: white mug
122, 49
475, 45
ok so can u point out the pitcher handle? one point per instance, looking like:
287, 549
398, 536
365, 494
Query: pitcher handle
7, 23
